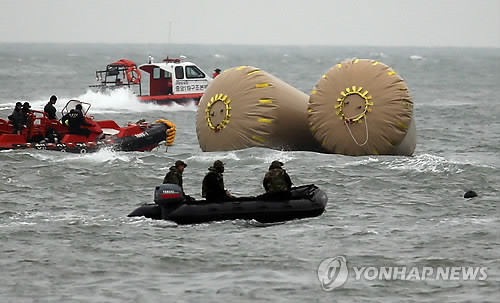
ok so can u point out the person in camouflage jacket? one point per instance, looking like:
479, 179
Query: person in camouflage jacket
174, 175
276, 181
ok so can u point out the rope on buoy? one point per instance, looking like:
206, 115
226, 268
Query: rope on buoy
356, 118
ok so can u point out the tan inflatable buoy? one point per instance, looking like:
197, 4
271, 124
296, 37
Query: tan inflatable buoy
247, 107
362, 107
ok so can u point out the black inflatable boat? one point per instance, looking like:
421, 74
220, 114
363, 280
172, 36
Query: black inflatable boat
170, 204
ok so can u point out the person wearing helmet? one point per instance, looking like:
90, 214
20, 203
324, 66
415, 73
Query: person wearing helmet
277, 182
75, 120
213, 184
174, 175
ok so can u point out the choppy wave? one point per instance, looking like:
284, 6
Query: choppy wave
65, 235
424, 163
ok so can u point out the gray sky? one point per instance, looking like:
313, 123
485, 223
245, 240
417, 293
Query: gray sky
434, 23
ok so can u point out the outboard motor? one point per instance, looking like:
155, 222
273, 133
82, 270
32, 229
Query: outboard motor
169, 197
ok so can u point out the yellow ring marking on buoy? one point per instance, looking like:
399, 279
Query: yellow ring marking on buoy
257, 138
265, 101
324, 76
261, 85
356, 61
313, 92
355, 91
375, 63
222, 98
265, 120
391, 73
339, 65
241, 67
254, 72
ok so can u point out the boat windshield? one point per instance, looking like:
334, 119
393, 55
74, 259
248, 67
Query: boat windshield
72, 104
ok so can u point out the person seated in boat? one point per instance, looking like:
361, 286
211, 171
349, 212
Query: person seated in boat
17, 119
213, 184
75, 120
26, 113
174, 175
216, 73
277, 182
50, 108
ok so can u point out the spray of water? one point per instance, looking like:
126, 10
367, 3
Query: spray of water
116, 101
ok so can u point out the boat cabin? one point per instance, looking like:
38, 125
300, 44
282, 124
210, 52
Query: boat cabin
175, 77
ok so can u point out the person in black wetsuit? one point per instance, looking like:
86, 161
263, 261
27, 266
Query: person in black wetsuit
213, 184
75, 120
50, 108
26, 113
17, 119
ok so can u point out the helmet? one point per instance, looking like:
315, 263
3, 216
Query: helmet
180, 163
276, 164
53, 98
218, 164
79, 106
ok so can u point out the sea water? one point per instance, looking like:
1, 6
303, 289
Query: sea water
65, 235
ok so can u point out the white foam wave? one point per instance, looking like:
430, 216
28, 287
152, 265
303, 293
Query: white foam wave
464, 221
102, 156
37, 217
276, 155
116, 101
443, 102
120, 100
211, 157
361, 162
416, 57
423, 163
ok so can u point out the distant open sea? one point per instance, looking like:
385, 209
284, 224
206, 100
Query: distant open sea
65, 235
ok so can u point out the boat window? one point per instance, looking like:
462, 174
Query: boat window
179, 72
156, 73
194, 72
167, 74
112, 71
